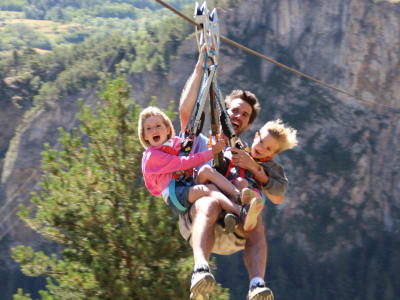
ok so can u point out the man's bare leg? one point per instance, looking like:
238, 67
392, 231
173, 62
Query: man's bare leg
255, 251
204, 213
255, 259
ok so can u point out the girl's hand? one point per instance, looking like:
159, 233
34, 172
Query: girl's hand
218, 146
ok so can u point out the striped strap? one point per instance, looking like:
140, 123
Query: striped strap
173, 198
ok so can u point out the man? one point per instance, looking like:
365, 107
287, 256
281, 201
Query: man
199, 225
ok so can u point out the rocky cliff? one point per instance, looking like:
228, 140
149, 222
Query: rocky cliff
344, 176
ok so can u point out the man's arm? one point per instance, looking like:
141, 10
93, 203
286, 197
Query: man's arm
190, 92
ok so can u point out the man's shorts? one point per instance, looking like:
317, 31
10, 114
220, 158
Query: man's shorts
225, 243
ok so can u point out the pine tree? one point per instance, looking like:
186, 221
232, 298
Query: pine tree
118, 242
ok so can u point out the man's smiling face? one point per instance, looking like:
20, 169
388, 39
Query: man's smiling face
239, 112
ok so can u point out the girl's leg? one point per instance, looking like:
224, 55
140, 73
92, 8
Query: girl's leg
208, 174
205, 190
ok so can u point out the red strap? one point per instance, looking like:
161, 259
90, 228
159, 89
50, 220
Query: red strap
241, 170
264, 159
172, 151
229, 168
169, 150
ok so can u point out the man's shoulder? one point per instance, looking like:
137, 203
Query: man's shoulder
200, 143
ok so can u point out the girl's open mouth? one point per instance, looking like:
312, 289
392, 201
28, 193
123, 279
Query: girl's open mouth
156, 138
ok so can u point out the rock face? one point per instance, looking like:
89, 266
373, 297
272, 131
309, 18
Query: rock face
344, 174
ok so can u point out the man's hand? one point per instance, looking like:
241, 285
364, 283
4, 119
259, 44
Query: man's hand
218, 146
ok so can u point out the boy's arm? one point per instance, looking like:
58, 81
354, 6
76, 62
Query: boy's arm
263, 179
190, 92
276, 199
244, 160
272, 179
277, 183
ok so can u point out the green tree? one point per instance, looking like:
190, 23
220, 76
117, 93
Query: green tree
118, 241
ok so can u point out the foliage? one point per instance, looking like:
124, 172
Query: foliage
118, 241
72, 10
12, 5
19, 35
66, 70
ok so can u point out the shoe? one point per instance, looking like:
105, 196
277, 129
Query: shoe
247, 195
230, 222
250, 212
203, 283
260, 292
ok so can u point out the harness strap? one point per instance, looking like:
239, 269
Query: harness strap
176, 176
169, 150
231, 166
251, 180
172, 196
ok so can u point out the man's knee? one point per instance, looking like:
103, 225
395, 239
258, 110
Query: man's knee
204, 190
209, 206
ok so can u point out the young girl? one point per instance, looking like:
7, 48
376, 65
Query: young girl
161, 164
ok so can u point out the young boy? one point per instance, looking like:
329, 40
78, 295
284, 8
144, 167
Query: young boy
273, 138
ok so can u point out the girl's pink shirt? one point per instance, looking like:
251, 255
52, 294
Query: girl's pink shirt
158, 166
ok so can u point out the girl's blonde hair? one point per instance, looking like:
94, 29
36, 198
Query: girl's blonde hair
148, 112
286, 135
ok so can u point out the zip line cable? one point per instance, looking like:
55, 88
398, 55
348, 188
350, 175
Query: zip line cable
244, 48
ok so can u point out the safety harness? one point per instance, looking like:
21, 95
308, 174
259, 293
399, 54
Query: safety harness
209, 90
251, 180
183, 176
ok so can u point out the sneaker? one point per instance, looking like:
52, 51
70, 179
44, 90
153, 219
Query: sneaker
230, 222
247, 195
203, 283
250, 212
260, 292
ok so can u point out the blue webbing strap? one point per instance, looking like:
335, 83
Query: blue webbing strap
172, 196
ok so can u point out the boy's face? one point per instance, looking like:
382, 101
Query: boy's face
264, 145
155, 131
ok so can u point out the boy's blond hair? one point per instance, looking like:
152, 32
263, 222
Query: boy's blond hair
152, 111
285, 135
